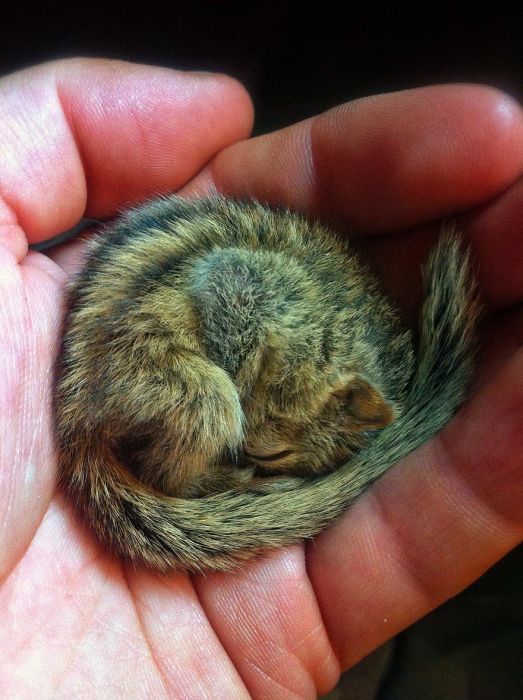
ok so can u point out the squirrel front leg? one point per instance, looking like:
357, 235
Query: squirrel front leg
195, 412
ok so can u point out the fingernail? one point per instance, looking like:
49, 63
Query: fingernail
202, 73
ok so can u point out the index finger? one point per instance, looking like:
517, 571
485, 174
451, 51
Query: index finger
386, 162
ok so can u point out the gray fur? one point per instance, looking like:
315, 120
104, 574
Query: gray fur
270, 311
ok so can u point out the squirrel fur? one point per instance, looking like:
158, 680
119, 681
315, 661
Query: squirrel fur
231, 379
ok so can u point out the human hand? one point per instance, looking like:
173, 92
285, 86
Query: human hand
74, 620
387, 169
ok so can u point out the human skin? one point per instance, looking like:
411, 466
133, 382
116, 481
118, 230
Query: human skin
95, 136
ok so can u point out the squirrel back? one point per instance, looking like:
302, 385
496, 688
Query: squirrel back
239, 332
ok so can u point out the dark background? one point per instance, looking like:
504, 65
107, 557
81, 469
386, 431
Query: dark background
297, 59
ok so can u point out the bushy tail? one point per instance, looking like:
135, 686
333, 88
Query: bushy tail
219, 531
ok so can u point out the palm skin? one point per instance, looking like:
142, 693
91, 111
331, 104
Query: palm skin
94, 136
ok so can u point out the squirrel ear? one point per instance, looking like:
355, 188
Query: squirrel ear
364, 402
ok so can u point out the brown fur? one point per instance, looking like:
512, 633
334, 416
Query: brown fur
231, 379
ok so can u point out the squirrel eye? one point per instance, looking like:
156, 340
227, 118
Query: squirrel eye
270, 458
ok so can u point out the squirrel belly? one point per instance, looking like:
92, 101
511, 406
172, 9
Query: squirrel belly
190, 354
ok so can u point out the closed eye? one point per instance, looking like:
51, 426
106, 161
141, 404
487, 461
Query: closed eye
270, 458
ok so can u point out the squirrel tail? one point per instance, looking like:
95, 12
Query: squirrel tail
219, 531
446, 357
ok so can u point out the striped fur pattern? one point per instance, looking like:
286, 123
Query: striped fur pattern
231, 379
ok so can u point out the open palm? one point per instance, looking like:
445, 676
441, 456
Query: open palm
94, 136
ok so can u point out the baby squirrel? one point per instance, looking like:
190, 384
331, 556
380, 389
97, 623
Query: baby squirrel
231, 379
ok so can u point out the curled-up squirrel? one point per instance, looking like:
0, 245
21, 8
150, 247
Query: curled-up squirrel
231, 379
